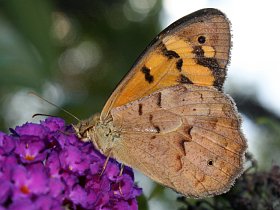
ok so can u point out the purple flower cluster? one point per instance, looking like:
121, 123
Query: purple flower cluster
45, 166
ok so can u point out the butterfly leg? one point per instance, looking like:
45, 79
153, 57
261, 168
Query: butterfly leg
121, 172
105, 164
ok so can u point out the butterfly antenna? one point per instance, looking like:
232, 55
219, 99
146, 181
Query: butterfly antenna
64, 110
40, 114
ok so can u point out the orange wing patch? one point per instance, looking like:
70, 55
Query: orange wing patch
187, 64
193, 50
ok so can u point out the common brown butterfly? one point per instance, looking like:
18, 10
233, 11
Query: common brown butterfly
169, 117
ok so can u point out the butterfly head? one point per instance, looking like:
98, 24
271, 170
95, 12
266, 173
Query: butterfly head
101, 134
85, 128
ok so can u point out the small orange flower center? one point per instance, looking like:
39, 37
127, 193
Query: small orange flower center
24, 189
29, 157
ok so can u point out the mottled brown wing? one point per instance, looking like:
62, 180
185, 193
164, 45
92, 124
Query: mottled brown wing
193, 50
185, 137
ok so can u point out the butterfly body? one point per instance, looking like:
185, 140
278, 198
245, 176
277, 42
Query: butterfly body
169, 117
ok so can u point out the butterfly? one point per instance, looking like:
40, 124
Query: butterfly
169, 117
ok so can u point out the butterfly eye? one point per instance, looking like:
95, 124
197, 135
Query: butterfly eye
210, 163
201, 39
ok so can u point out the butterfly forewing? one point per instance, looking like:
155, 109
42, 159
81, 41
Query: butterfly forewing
193, 50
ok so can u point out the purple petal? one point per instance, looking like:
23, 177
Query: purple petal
99, 184
124, 187
127, 170
30, 149
38, 180
46, 203
31, 180
137, 191
102, 200
71, 158
32, 129
7, 143
133, 204
6, 190
66, 140
7, 165
53, 164
91, 199
121, 205
70, 180
53, 123
56, 187
96, 167
112, 171
78, 196
19, 176
22, 204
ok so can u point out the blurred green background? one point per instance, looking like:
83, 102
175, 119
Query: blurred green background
74, 53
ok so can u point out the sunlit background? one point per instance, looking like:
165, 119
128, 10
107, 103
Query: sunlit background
73, 53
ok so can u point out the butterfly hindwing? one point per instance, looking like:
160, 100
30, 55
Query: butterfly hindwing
193, 50
185, 137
